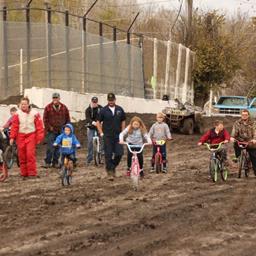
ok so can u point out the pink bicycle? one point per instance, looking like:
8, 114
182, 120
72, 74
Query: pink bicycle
135, 167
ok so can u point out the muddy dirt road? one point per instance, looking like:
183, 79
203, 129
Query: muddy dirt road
179, 214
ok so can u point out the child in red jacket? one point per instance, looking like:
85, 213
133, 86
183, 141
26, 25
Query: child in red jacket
217, 135
28, 131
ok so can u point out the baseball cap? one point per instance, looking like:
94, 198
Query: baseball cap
94, 99
111, 96
56, 95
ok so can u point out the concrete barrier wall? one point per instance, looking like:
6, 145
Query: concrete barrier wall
77, 103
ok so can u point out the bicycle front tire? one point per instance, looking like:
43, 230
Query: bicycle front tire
213, 168
158, 166
9, 156
241, 165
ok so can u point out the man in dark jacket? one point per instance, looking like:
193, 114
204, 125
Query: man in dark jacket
91, 117
110, 123
56, 115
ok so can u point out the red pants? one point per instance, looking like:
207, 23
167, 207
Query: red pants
27, 154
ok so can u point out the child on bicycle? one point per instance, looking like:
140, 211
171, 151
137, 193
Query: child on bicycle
68, 143
136, 134
159, 131
7, 126
217, 135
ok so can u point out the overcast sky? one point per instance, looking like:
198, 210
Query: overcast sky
230, 6
227, 6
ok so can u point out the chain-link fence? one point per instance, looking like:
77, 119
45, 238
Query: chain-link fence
168, 70
60, 56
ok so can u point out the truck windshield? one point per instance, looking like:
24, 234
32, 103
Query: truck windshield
229, 101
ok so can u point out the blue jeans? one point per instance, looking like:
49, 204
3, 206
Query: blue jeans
90, 134
52, 153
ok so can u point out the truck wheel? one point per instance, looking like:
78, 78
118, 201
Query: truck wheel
188, 126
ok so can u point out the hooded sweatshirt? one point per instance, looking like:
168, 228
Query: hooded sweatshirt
67, 143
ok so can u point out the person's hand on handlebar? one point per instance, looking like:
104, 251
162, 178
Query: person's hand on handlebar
225, 141
232, 139
11, 141
253, 141
199, 144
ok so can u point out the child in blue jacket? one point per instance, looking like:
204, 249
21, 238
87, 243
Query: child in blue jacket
68, 143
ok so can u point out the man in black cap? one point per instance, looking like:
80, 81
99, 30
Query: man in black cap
91, 117
110, 123
56, 115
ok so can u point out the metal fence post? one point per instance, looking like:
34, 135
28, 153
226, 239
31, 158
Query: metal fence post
5, 52
155, 68
101, 54
28, 50
167, 67
129, 58
178, 70
84, 56
115, 66
185, 87
21, 71
67, 50
49, 46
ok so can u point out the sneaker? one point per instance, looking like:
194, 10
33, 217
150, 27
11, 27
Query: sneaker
152, 169
164, 170
235, 159
141, 173
46, 166
128, 172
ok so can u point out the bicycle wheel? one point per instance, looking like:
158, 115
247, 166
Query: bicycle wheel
241, 165
64, 177
135, 174
213, 168
158, 166
224, 174
9, 156
95, 153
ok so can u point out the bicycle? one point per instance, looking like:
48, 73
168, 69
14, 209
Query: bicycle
158, 157
66, 170
244, 159
3, 169
216, 163
97, 148
135, 167
10, 154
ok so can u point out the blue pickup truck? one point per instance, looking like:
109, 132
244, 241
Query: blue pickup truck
232, 105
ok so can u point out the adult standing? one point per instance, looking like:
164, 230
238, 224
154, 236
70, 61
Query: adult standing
244, 130
56, 115
28, 131
91, 117
110, 123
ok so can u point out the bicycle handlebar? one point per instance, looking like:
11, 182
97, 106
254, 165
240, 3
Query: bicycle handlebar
242, 144
159, 142
129, 146
218, 146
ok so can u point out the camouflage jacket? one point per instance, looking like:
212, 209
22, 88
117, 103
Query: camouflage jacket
244, 131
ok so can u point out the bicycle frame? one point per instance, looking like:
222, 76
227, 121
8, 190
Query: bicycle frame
158, 154
244, 159
216, 164
135, 167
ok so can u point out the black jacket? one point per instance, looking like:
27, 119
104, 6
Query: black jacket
92, 114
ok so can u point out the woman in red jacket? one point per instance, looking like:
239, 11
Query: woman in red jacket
217, 135
28, 131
